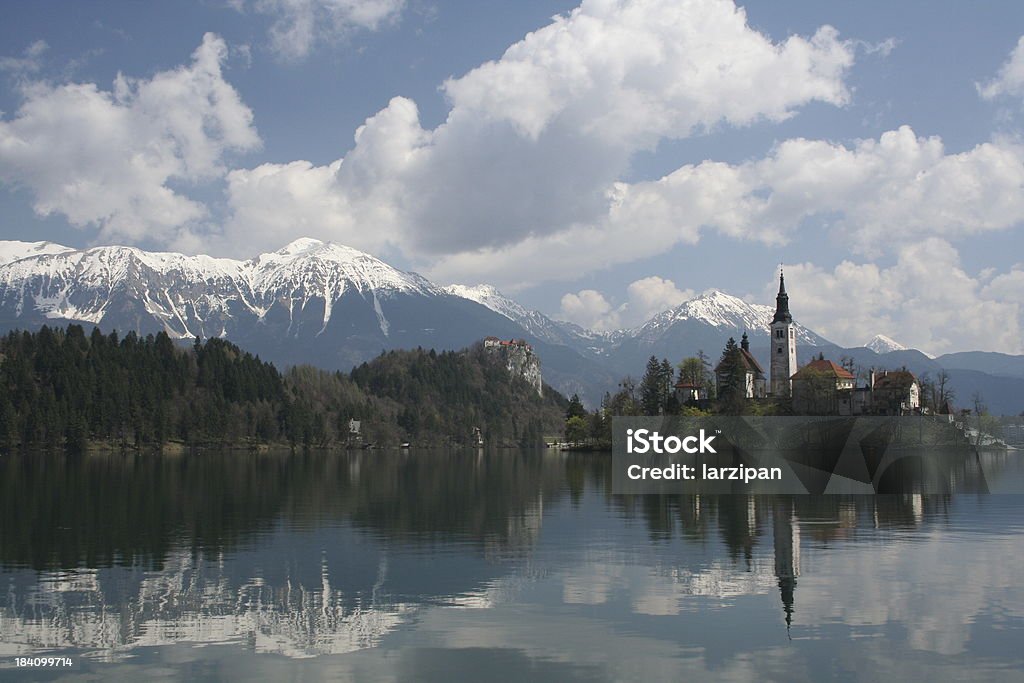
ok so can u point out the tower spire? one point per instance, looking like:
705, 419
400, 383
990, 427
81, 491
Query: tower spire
782, 302
783, 360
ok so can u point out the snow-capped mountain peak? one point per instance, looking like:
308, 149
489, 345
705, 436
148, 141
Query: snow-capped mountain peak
724, 312
328, 269
11, 250
714, 308
882, 344
302, 244
194, 295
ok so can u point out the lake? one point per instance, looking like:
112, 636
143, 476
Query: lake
507, 565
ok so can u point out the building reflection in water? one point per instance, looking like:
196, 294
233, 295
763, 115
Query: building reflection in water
324, 554
786, 535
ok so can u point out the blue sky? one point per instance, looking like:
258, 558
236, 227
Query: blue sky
600, 167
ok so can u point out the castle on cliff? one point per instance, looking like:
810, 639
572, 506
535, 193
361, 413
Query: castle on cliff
519, 358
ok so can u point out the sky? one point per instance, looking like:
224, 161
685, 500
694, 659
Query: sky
598, 161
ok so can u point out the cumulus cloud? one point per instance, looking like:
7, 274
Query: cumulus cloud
645, 298
891, 190
926, 300
590, 309
521, 183
535, 141
1010, 79
653, 295
107, 158
631, 73
877, 195
299, 25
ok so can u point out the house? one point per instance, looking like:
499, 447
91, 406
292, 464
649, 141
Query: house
688, 392
823, 388
754, 380
895, 393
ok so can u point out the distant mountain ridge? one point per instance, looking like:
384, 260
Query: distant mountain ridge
309, 302
534, 322
333, 306
185, 294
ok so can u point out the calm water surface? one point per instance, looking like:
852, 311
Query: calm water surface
492, 566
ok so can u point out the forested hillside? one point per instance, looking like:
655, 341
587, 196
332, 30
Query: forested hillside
68, 389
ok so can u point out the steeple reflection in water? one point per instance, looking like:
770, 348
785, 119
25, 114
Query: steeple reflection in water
380, 559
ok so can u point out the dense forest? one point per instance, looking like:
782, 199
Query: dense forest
68, 389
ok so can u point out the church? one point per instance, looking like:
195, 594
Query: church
754, 381
821, 387
782, 364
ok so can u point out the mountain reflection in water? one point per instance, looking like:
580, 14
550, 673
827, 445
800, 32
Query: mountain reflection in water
459, 564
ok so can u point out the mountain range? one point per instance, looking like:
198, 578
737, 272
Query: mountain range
333, 306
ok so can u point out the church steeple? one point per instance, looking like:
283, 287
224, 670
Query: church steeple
745, 342
783, 360
782, 314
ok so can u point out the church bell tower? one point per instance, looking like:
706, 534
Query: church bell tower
783, 347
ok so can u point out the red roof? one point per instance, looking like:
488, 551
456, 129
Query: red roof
898, 379
686, 385
823, 367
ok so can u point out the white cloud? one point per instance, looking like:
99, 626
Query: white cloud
926, 300
652, 295
590, 309
631, 73
300, 24
877, 195
886, 192
521, 183
535, 140
1009, 286
357, 201
645, 298
1010, 79
107, 158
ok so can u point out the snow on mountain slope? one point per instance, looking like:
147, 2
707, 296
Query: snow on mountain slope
534, 322
722, 311
11, 250
308, 269
82, 284
193, 295
487, 295
882, 344
320, 268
